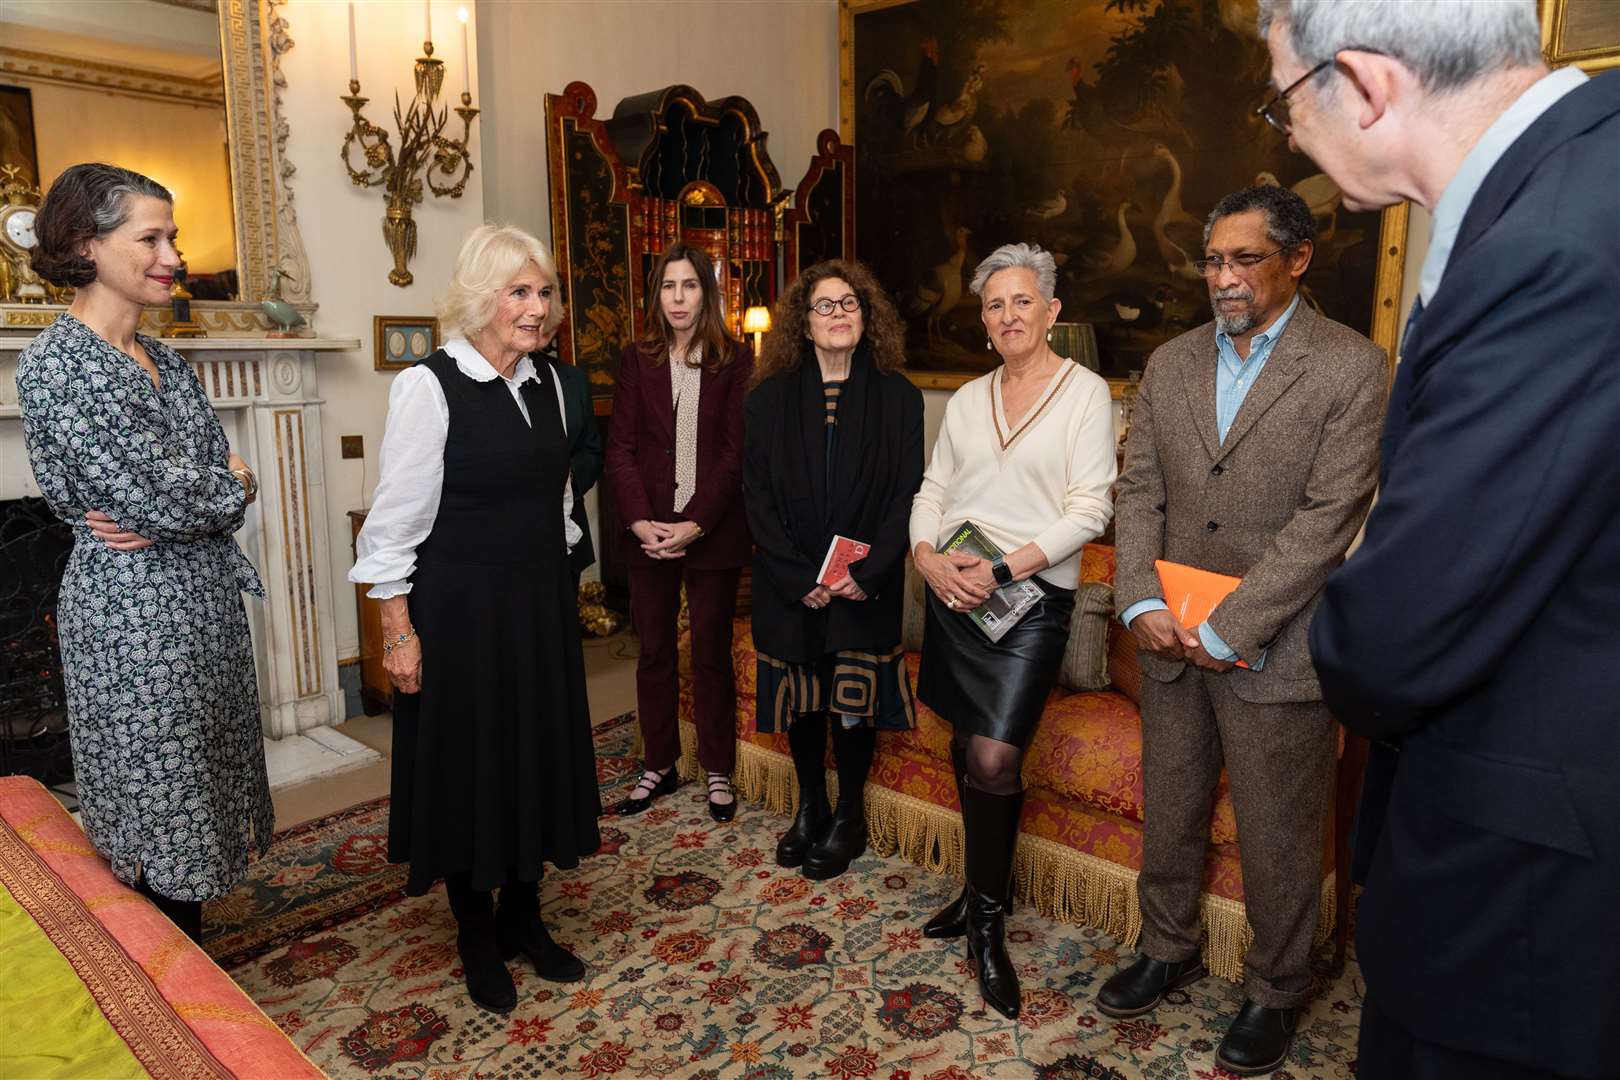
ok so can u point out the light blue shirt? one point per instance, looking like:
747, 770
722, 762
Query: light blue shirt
1234, 377
1459, 194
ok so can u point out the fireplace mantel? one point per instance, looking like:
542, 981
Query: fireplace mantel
264, 391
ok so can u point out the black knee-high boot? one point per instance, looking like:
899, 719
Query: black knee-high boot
520, 929
992, 835
951, 921
807, 738
845, 839
489, 984
186, 914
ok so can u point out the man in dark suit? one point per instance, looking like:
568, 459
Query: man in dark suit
1474, 636
1252, 453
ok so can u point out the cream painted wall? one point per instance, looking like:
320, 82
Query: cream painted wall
341, 226
782, 55
180, 146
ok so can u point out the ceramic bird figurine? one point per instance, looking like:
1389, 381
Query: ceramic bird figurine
283, 314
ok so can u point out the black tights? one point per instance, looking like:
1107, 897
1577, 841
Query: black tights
993, 766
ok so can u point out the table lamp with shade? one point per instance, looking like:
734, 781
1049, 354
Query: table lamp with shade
757, 321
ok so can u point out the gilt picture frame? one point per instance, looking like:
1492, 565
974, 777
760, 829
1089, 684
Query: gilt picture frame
1585, 33
1074, 126
402, 341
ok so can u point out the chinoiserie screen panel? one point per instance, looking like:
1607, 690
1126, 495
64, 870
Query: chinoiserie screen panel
669, 165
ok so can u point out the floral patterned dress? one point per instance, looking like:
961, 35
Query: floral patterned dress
163, 704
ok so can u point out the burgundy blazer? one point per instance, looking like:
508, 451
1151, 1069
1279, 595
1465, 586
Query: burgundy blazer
640, 467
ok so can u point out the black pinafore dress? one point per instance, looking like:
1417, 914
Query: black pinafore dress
493, 766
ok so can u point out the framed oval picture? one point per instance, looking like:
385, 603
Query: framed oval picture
403, 340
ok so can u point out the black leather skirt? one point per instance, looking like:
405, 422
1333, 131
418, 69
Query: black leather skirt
995, 689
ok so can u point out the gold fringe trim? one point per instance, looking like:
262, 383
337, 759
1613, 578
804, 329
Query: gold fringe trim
1056, 880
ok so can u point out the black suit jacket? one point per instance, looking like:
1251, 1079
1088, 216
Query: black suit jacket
794, 511
1478, 627
640, 466
584, 451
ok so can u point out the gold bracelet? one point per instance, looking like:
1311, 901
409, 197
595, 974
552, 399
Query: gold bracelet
390, 646
250, 482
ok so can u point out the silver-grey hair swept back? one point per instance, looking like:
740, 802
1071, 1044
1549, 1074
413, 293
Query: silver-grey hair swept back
1013, 256
1447, 44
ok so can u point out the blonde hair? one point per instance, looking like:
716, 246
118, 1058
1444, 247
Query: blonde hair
490, 258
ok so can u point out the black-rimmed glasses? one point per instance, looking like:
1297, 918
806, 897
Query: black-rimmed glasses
1275, 111
824, 307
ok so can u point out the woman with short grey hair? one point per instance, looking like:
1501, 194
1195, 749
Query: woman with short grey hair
162, 697
1025, 456
466, 546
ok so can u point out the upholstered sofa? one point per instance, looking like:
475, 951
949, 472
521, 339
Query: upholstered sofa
1080, 846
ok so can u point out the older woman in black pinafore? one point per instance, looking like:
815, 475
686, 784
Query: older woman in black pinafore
468, 540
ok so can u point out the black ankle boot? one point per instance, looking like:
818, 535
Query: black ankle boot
845, 839
519, 929
808, 825
840, 843
807, 739
992, 835
489, 984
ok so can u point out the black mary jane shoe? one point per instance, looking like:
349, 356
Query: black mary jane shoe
1258, 1040
1139, 988
720, 783
651, 785
528, 935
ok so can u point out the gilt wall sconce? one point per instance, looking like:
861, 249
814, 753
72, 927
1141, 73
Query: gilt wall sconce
424, 151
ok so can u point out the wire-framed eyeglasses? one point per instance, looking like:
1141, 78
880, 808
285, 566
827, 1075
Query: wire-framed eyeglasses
824, 307
1275, 111
1238, 264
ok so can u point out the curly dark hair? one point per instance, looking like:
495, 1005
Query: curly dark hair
1288, 217
788, 343
85, 202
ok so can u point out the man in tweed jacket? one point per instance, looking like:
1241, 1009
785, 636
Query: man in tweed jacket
1253, 452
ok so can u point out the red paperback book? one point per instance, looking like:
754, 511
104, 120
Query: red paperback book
840, 553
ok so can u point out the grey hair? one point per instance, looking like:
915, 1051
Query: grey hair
1447, 44
490, 258
1288, 216
1018, 256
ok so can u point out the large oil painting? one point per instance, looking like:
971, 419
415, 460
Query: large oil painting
1103, 130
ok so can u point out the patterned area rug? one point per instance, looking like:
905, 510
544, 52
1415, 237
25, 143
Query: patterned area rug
708, 961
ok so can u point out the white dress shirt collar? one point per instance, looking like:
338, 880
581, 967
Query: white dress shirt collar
475, 367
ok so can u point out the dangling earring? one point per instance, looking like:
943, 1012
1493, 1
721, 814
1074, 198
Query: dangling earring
987, 345
1049, 335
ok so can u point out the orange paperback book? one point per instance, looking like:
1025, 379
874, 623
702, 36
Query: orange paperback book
1192, 593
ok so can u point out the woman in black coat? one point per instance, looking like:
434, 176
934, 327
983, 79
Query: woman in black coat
833, 448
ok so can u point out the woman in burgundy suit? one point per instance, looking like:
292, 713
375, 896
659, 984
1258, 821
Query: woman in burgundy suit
674, 464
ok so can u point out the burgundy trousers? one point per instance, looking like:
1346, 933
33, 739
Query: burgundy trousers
655, 604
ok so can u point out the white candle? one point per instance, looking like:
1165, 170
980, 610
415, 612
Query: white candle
466, 63
428, 5
354, 67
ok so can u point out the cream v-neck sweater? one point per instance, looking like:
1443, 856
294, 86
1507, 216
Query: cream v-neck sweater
1050, 485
